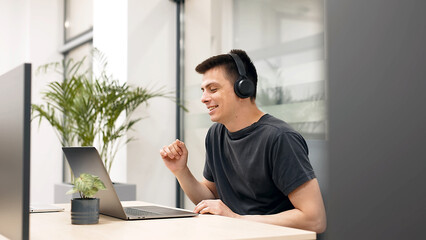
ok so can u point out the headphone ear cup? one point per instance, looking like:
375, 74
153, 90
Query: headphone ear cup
244, 88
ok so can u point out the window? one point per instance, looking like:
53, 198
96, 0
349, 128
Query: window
78, 18
78, 38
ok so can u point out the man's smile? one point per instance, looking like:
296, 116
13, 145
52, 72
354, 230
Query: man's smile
211, 108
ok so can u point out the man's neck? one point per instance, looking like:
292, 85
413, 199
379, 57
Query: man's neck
244, 118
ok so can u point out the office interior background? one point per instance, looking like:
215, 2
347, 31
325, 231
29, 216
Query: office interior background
346, 74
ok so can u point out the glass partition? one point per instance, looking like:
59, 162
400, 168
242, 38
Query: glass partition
285, 40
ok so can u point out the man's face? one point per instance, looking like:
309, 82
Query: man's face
218, 96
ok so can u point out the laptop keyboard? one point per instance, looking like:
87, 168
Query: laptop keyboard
138, 212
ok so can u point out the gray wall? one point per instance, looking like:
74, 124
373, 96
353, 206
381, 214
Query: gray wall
377, 117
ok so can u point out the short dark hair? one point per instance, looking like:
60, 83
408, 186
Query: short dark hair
228, 64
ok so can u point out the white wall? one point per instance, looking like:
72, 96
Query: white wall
138, 38
139, 41
14, 28
110, 37
31, 31
45, 38
151, 63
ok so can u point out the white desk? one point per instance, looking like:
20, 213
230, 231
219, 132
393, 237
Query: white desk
58, 226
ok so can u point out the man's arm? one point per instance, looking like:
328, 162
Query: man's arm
308, 212
195, 190
175, 156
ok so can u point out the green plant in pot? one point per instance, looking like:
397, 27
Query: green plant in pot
85, 210
88, 109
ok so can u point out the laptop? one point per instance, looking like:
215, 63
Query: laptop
88, 160
43, 208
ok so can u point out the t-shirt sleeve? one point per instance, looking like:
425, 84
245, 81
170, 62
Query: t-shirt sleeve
207, 173
290, 163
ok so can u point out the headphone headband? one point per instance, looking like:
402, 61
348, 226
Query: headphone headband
240, 64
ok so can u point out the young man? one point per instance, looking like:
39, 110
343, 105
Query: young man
257, 166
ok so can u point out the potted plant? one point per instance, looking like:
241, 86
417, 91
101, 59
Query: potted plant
85, 210
88, 109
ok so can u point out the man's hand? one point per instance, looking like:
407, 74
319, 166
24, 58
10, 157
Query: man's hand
175, 156
216, 207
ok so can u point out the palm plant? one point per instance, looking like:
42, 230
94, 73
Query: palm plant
61, 99
85, 109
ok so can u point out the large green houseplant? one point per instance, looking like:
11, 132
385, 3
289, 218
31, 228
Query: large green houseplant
87, 109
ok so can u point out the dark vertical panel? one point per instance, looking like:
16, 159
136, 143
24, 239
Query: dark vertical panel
179, 95
377, 115
26, 152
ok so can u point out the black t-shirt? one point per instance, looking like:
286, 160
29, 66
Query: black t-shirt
255, 168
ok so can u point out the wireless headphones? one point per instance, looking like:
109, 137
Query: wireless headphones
243, 87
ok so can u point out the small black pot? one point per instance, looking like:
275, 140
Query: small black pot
85, 210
